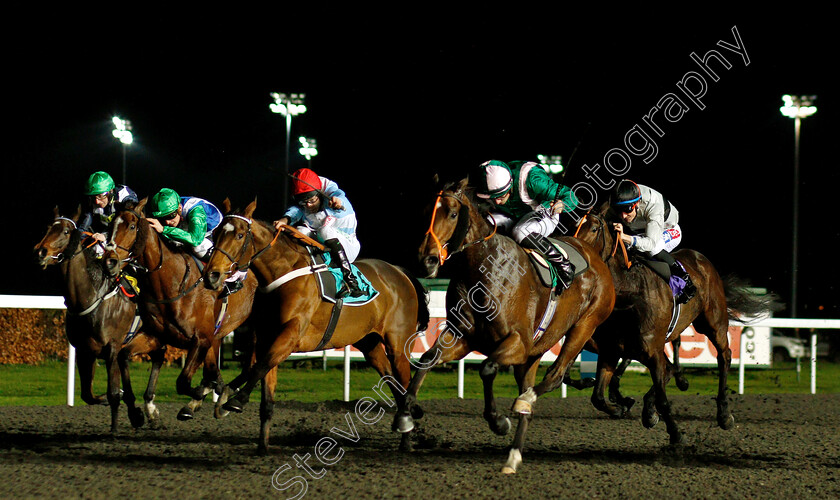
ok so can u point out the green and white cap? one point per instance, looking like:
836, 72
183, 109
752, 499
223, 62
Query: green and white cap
495, 179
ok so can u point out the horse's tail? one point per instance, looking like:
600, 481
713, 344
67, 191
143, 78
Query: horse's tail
423, 314
741, 301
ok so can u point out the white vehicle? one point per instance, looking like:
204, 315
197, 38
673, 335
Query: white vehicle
786, 348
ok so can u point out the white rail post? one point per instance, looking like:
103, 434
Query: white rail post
461, 378
741, 365
813, 362
71, 374
347, 373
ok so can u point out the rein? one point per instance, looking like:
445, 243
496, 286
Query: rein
249, 238
604, 237
461, 227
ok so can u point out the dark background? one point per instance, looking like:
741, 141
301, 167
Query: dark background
395, 97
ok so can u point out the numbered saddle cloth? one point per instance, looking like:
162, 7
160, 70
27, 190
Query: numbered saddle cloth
546, 271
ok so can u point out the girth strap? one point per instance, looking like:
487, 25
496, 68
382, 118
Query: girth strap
328, 333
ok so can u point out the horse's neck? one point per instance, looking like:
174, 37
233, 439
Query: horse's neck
500, 263
165, 266
80, 285
278, 260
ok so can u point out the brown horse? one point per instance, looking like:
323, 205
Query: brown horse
495, 303
638, 326
176, 309
99, 316
294, 318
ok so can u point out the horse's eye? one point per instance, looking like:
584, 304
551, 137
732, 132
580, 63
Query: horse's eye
453, 215
240, 236
132, 227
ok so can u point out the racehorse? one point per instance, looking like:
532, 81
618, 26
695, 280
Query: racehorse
98, 318
639, 326
176, 309
294, 318
495, 303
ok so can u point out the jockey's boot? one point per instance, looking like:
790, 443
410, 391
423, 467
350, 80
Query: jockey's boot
339, 256
564, 267
689, 290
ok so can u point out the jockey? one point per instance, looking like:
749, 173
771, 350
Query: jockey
527, 204
653, 226
323, 211
104, 200
189, 221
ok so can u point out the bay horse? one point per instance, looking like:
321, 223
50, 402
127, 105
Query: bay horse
495, 303
293, 317
175, 309
639, 325
98, 318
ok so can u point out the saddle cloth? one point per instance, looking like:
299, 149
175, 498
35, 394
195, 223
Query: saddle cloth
330, 282
662, 269
544, 268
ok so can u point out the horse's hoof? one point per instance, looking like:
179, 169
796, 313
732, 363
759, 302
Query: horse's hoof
233, 405
676, 439
220, 412
405, 443
185, 414
650, 421
416, 412
682, 383
502, 426
136, 417
727, 423
521, 407
403, 423
627, 404
514, 459
586, 383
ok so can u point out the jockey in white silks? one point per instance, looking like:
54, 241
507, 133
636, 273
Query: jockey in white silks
324, 212
650, 226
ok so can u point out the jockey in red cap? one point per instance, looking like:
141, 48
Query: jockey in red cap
323, 211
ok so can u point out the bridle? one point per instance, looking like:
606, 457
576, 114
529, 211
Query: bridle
460, 232
249, 240
603, 232
131, 260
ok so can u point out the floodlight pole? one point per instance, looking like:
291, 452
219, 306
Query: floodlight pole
796, 107
288, 106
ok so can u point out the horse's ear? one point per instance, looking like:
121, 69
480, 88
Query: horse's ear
436, 180
55, 211
78, 213
226, 206
249, 210
462, 185
142, 205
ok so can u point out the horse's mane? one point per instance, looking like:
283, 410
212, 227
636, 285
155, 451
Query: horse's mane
290, 241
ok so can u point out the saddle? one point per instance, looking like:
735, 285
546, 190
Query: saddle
544, 268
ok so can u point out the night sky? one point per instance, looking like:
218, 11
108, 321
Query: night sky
393, 99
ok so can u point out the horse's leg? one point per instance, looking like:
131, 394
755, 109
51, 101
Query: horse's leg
447, 347
269, 384
385, 364
614, 384
499, 424
135, 414
86, 363
248, 360
269, 353
211, 378
113, 367
658, 370
715, 327
607, 377
679, 373
525, 375
158, 356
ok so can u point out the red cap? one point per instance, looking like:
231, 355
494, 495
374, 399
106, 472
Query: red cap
305, 180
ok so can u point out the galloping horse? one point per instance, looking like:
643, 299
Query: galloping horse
639, 326
495, 305
294, 318
175, 308
98, 319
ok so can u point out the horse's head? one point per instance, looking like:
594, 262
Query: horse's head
449, 226
233, 245
129, 229
51, 248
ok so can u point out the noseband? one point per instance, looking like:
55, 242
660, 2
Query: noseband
460, 232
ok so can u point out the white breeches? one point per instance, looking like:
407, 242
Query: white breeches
533, 222
349, 242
